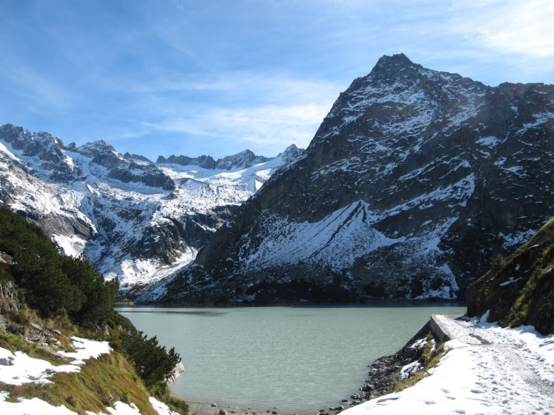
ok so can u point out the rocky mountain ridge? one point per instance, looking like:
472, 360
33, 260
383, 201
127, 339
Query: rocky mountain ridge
134, 219
243, 159
414, 181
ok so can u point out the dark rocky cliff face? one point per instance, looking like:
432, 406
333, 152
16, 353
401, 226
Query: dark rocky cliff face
206, 162
413, 182
124, 169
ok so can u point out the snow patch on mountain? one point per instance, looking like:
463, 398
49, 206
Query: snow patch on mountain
287, 243
71, 245
135, 220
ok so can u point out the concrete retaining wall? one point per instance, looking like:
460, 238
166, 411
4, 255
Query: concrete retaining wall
439, 331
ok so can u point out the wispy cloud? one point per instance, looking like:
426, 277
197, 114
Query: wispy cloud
38, 90
513, 26
268, 126
214, 77
262, 113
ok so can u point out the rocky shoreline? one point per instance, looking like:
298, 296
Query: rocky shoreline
386, 371
205, 408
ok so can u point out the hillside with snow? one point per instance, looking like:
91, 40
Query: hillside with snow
135, 219
414, 181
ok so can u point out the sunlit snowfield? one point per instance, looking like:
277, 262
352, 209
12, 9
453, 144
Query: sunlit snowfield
292, 358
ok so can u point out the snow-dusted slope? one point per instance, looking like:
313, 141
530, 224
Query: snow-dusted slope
414, 180
18, 368
134, 219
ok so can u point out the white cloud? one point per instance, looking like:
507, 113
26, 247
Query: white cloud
514, 26
267, 125
253, 110
266, 130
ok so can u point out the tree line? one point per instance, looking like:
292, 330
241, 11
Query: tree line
57, 285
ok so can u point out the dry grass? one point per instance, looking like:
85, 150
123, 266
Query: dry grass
100, 384
13, 343
429, 359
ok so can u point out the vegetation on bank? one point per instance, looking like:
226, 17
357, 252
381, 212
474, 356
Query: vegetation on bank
430, 356
519, 290
54, 284
45, 293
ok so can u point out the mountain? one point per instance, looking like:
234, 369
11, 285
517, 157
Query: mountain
413, 182
134, 219
242, 160
519, 290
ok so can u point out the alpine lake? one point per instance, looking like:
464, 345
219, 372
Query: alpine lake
290, 359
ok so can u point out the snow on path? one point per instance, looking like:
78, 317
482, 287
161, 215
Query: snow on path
487, 370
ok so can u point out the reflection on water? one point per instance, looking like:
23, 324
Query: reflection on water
292, 358
204, 313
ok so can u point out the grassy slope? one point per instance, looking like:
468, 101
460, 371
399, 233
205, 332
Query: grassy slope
519, 290
99, 384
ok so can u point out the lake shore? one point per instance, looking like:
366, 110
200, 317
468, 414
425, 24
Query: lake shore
298, 359
207, 408
486, 369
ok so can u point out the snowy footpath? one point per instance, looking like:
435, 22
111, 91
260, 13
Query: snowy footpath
487, 370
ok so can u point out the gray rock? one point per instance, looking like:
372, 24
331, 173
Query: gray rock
7, 361
423, 163
37, 327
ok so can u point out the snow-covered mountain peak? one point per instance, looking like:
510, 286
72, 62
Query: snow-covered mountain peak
439, 171
125, 169
42, 152
98, 148
134, 219
290, 154
206, 162
393, 67
396, 81
242, 160
137, 158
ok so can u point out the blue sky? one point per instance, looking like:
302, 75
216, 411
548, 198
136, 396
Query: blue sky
162, 77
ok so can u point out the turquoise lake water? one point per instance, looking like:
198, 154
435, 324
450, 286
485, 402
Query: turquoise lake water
290, 358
